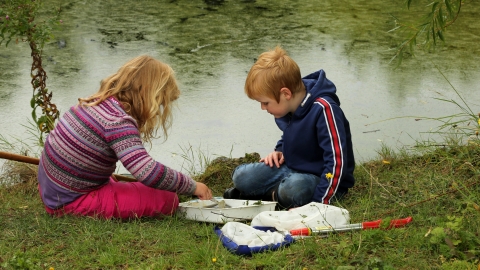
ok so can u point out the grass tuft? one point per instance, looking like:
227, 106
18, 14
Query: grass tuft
218, 174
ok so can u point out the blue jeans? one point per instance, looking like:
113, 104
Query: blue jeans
257, 180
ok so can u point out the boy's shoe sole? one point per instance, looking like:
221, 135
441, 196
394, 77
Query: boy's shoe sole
231, 193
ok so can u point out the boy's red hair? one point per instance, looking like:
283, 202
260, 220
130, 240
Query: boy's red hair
271, 72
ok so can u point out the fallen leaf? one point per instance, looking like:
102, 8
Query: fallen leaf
429, 231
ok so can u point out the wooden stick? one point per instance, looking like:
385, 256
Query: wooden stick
36, 161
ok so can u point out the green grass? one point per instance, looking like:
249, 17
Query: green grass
439, 189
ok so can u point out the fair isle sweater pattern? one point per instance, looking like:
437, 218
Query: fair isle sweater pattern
81, 153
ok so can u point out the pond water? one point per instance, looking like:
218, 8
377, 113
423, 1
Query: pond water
212, 44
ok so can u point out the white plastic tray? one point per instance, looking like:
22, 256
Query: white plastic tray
239, 210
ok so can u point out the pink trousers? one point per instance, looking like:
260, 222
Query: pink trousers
122, 200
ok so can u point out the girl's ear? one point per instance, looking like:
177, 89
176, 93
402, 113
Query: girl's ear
286, 93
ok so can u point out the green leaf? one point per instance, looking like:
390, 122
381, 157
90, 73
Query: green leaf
440, 35
434, 36
434, 7
440, 18
34, 115
456, 242
449, 8
437, 235
43, 119
385, 223
409, 2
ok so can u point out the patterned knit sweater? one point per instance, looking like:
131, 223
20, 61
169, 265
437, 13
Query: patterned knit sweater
81, 153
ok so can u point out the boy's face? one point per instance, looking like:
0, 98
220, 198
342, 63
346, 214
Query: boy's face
277, 109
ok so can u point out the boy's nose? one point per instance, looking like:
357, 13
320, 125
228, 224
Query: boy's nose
263, 106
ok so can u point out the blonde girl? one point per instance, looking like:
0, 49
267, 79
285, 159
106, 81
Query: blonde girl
80, 154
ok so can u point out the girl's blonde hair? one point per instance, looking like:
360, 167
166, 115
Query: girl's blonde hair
146, 89
271, 72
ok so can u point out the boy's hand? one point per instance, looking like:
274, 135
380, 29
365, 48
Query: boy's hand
274, 158
203, 192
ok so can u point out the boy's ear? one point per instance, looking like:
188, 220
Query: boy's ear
286, 93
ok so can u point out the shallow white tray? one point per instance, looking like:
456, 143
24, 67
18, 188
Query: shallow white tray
239, 210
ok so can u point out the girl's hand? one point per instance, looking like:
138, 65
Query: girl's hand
274, 158
203, 192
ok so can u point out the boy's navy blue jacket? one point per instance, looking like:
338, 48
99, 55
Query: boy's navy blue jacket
316, 139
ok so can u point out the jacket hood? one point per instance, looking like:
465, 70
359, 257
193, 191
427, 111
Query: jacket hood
317, 85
